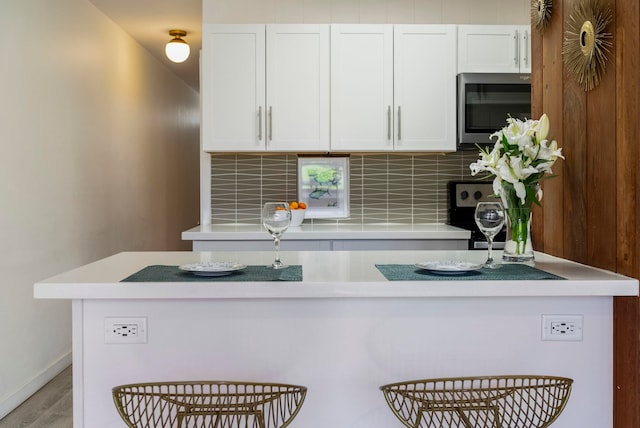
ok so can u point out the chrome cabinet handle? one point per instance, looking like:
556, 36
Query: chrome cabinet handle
260, 123
526, 48
399, 125
388, 122
270, 123
517, 51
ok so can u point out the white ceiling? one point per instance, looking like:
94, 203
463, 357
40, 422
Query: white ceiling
149, 22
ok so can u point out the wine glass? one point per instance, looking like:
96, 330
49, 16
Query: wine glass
276, 217
489, 217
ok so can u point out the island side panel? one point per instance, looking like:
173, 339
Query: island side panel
77, 321
344, 349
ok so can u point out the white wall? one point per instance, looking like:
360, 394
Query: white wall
99, 153
367, 11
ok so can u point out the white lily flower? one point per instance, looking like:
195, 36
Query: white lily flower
514, 169
521, 191
527, 153
497, 185
487, 162
531, 151
555, 151
543, 127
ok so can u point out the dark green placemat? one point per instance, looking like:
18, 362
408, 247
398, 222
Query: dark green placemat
163, 273
505, 272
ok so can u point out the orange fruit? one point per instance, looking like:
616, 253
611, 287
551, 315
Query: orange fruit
302, 206
293, 205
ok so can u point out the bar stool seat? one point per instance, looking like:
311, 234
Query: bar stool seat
208, 404
479, 402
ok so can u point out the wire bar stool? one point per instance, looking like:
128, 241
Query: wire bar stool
479, 402
208, 404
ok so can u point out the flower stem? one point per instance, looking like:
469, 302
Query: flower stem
518, 216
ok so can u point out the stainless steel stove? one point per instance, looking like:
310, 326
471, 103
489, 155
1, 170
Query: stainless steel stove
463, 198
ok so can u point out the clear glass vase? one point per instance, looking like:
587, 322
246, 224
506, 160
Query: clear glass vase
518, 247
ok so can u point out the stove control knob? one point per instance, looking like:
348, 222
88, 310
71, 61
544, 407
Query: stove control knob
477, 195
464, 195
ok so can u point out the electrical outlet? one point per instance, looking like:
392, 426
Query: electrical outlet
125, 330
562, 327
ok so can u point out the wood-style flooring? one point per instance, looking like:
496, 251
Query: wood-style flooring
50, 407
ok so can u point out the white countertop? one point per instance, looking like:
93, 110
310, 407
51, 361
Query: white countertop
327, 231
327, 274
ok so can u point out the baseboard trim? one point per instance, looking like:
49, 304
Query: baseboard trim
8, 404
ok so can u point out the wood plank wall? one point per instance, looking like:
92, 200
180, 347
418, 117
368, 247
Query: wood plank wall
590, 211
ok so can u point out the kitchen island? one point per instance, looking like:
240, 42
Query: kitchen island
342, 331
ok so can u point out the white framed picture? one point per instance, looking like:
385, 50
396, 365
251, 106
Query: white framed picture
323, 184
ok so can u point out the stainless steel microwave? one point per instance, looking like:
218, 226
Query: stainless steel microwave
486, 100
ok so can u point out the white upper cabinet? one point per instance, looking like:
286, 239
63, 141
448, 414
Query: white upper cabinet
345, 87
425, 87
494, 49
265, 88
524, 52
233, 87
361, 87
393, 87
298, 87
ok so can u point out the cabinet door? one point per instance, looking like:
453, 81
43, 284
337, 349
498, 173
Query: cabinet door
524, 52
298, 88
361, 87
425, 87
233, 88
488, 49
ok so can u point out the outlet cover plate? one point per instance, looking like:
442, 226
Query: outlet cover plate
564, 328
125, 330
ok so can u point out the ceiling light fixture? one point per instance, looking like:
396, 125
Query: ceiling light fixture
177, 50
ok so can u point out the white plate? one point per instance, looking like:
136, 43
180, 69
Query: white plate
451, 267
212, 268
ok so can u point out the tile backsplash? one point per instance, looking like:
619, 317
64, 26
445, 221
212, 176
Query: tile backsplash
384, 188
